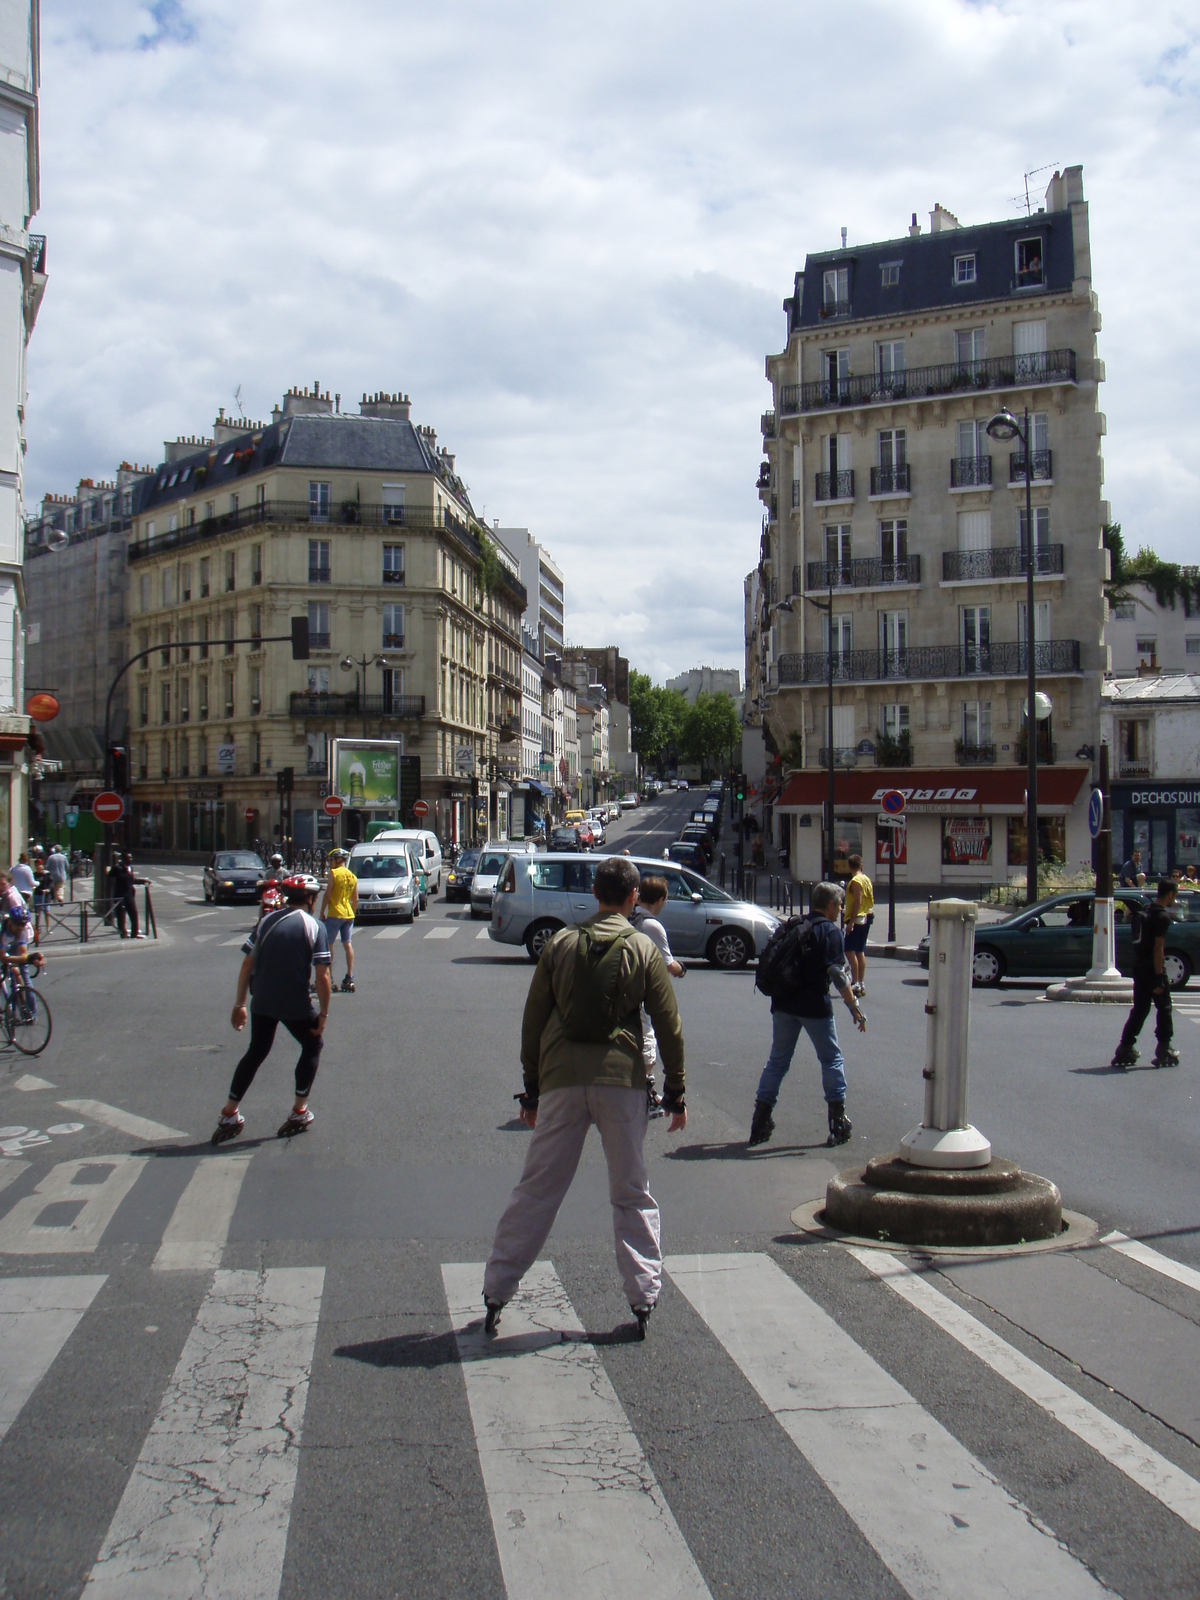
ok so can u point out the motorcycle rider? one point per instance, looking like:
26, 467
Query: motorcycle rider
270, 888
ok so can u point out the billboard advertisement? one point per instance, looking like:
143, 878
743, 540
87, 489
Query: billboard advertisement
966, 841
365, 772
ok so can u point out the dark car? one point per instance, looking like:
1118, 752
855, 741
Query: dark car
697, 833
1053, 939
233, 875
458, 879
689, 854
565, 839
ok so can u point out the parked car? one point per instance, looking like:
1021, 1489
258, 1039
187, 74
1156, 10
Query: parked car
491, 863
688, 854
699, 834
570, 818
564, 839
458, 878
596, 823
613, 810
1053, 939
431, 850
537, 895
233, 875
630, 801
388, 881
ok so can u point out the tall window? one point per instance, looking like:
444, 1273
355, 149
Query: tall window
393, 627
255, 690
975, 637
164, 758
185, 700
185, 639
837, 553
143, 761
974, 530
1029, 348
229, 694
889, 358
256, 627
205, 630
318, 502
1041, 527
144, 591
835, 370
202, 756
230, 631
893, 641
318, 680
1029, 263
970, 346
976, 723
255, 753
164, 639
185, 770
893, 721
205, 577
318, 624
1041, 621
143, 705
202, 699
256, 563
837, 288
318, 561
185, 581
891, 447
393, 563
893, 549
972, 440
843, 640
393, 502
393, 688
230, 571
167, 586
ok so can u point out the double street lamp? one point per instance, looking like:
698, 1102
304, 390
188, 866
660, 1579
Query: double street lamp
1004, 427
825, 606
352, 664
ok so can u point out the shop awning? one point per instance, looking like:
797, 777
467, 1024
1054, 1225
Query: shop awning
953, 791
540, 788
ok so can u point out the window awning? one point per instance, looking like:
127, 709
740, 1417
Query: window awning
952, 791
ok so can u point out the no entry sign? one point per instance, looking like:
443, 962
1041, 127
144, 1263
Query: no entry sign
420, 808
250, 813
108, 807
333, 806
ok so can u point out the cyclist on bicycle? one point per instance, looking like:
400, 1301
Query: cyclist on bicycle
16, 932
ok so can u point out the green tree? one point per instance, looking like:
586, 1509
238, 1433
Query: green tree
655, 717
711, 729
1169, 580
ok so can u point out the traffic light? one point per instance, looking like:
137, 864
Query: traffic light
299, 638
285, 778
120, 768
739, 786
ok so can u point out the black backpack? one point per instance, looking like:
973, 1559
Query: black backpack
788, 961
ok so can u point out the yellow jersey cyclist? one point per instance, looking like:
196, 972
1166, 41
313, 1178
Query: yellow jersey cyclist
338, 911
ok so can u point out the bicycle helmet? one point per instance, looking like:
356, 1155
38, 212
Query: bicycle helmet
299, 886
338, 854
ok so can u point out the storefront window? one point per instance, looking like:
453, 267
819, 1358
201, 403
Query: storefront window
966, 841
1187, 836
847, 842
148, 824
884, 845
1052, 840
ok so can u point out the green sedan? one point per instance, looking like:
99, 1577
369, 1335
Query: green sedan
1053, 939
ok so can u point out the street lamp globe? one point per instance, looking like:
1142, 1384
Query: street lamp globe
347, 665
1003, 426
56, 539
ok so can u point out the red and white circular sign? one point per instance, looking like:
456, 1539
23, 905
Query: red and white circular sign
250, 813
108, 807
333, 806
420, 808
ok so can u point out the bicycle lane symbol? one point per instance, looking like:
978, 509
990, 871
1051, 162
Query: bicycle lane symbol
15, 1141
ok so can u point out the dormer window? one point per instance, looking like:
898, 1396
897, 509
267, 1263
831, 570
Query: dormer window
889, 274
837, 290
172, 480
1029, 263
964, 269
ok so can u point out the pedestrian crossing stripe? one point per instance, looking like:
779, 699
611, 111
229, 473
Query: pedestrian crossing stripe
441, 933
199, 1225
37, 1317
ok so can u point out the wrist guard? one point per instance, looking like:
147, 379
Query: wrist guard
672, 1103
529, 1102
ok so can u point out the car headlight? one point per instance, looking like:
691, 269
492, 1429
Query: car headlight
449, 877
228, 884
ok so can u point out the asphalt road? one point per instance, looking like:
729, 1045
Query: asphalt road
252, 1371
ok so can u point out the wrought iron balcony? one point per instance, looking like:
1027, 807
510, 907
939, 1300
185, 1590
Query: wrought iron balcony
961, 566
925, 383
1047, 753
834, 486
797, 492
37, 252
890, 480
866, 572
974, 755
1006, 660
842, 756
768, 424
971, 472
1043, 466
350, 512
1134, 766
836, 308
405, 707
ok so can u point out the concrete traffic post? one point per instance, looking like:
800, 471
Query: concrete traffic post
1103, 983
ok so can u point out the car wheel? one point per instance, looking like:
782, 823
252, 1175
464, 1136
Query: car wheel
207, 895
988, 967
1177, 969
729, 949
410, 917
538, 937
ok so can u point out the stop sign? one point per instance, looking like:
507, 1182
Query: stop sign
420, 808
333, 806
108, 807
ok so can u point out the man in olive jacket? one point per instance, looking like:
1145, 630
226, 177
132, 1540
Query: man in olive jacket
572, 1083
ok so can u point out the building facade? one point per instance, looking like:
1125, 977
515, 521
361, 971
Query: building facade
707, 680
606, 665
543, 580
22, 284
1151, 724
1141, 634
888, 505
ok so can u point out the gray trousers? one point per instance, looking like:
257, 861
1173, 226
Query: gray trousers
555, 1146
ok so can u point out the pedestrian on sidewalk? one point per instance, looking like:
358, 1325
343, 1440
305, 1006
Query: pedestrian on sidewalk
22, 879
1150, 987
652, 897
583, 1063
125, 882
808, 955
277, 959
58, 870
338, 911
858, 914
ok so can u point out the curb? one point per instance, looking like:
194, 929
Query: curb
894, 952
1078, 1230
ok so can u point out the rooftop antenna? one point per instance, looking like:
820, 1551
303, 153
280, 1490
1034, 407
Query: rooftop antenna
1019, 199
237, 400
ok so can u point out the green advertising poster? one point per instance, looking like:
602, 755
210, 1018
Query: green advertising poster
368, 773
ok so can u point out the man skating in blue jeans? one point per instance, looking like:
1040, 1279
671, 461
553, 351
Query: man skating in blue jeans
804, 1005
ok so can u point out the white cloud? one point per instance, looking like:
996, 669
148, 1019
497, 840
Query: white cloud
566, 232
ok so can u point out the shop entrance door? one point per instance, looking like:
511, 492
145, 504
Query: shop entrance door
1152, 836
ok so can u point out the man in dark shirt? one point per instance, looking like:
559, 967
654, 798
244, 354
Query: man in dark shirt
808, 1008
1150, 984
1130, 871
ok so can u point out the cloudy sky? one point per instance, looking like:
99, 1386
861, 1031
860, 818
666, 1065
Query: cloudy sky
566, 231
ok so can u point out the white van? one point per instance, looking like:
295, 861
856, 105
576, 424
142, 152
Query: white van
431, 851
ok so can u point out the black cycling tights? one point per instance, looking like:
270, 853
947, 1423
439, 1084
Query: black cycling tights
262, 1037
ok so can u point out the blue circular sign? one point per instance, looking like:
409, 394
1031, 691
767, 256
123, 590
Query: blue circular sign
893, 803
1095, 812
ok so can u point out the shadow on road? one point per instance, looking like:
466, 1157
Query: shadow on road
738, 1150
207, 1147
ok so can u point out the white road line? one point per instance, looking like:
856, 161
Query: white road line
37, 1317
28, 1083
482, 934
199, 1225
196, 915
935, 1516
70, 1208
227, 943
575, 1507
1157, 1262
1121, 1448
11, 1169
122, 1121
390, 933
207, 1507
203, 938
441, 933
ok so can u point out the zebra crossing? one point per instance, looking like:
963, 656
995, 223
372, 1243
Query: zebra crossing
576, 1496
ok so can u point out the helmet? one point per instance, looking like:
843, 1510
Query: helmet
277, 859
337, 853
300, 885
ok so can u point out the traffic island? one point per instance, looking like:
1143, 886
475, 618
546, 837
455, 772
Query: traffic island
892, 1200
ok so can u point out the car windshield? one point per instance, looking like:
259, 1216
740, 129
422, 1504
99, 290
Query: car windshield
384, 864
466, 861
233, 859
491, 864
697, 885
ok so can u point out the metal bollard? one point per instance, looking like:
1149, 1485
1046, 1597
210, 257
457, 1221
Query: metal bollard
945, 1138
722, 869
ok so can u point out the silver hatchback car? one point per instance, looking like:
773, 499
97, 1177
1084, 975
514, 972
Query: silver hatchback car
539, 894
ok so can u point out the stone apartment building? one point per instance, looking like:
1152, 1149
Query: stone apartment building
707, 680
544, 585
360, 524
1151, 723
1144, 636
886, 499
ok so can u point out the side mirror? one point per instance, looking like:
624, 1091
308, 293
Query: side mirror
696, 899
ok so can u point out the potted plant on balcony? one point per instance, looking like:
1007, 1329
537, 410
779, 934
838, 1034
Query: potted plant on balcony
896, 752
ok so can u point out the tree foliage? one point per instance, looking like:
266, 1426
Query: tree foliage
711, 729
655, 717
1169, 580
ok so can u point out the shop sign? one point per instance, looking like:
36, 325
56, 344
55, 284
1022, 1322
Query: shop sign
226, 754
923, 796
204, 791
966, 841
1159, 797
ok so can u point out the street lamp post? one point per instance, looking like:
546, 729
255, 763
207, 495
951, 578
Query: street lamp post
1005, 427
349, 664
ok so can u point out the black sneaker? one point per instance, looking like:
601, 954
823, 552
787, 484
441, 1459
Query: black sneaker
762, 1124
492, 1321
1166, 1057
347, 984
1122, 1063
840, 1125
642, 1313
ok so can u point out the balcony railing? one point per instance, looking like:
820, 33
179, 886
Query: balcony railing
768, 424
836, 308
1134, 766
316, 769
918, 662
299, 511
866, 572
961, 566
923, 383
319, 641
846, 756
403, 706
890, 480
834, 486
971, 472
797, 492
974, 755
37, 252
1043, 465
1047, 753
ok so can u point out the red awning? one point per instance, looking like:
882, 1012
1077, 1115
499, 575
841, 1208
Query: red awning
936, 792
